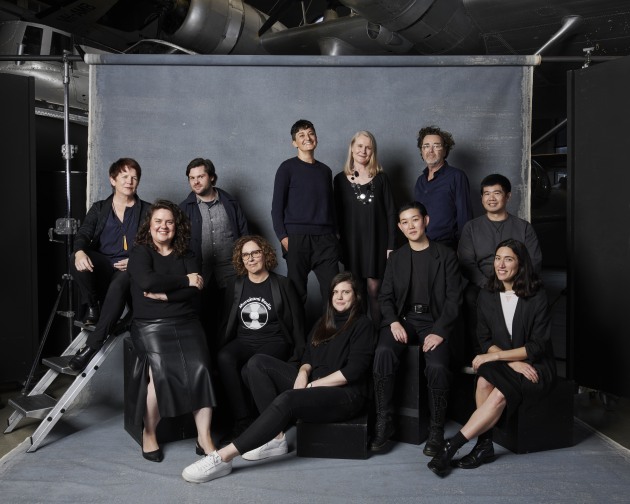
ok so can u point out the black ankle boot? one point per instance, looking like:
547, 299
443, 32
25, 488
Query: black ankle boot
441, 463
384, 428
82, 358
482, 453
93, 314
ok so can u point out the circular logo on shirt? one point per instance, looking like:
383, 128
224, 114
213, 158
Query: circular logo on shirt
254, 315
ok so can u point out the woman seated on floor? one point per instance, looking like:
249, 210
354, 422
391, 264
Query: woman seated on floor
171, 375
517, 365
265, 316
331, 385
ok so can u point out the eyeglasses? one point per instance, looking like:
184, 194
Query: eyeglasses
436, 147
254, 254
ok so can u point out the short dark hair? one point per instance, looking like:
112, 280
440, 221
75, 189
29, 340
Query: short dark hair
496, 179
207, 165
526, 282
269, 254
301, 124
182, 227
447, 138
413, 204
121, 164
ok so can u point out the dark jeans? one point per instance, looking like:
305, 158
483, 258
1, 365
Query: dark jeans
272, 387
389, 351
317, 253
231, 359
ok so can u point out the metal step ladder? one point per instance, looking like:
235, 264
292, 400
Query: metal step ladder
38, 404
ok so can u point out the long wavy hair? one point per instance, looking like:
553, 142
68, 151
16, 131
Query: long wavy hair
373, 166
269, 254
182, 227
326, 329
526, 283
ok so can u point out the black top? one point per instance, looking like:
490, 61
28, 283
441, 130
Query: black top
419, 290
350, 352
367, 229
153, 272
258, 319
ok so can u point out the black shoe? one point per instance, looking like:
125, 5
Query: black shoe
93, 314
199, 450
441, 463
435, 441
82, 358
482, 453
154, 456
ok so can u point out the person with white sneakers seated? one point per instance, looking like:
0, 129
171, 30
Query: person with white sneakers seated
331, 385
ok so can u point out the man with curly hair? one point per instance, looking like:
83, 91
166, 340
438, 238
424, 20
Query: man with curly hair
443, 189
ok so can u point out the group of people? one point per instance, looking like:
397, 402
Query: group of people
455, 280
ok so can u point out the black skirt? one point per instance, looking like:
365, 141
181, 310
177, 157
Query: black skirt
514, 386
176, 351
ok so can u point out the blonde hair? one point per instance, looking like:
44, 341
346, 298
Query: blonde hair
373, 166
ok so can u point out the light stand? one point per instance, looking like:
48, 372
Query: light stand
66, 226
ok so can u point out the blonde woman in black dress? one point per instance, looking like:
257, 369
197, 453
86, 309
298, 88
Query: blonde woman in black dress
366, 215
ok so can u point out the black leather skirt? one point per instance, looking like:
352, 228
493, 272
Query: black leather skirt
176, 351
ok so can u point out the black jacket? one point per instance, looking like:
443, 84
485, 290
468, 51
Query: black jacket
444, 288
191, 208
89, 234
288, 307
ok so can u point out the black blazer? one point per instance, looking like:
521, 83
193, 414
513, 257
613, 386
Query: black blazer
444, 288
531, 328
288, 307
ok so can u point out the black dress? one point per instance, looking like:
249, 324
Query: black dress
167, 335
367, 228
530, 328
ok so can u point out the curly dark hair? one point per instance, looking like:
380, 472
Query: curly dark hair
182, 227
447, 138
269, 254
325, 329
526, 282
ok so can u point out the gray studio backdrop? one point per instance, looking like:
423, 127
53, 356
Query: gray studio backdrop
238, 110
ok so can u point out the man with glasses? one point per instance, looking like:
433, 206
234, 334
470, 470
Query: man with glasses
216, 221
443, 189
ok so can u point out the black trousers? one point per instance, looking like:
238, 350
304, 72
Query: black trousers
112, 308
93, 285
272, 382
231, 359
317, 253
471, 343
388, 353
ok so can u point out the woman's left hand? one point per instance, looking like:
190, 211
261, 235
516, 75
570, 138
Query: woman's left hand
301, 381
527, 370
121, 265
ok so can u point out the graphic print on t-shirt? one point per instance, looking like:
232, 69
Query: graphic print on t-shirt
254, 313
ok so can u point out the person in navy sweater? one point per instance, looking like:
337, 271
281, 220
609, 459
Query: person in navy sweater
303, 214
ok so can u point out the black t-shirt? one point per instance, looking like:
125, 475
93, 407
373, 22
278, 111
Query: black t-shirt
419, 291
258, 320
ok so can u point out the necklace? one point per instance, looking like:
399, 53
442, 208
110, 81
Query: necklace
121, 223
364, 197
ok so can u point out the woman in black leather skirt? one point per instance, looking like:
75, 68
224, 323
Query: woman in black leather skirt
172, 374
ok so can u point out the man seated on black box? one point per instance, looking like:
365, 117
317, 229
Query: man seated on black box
420, 301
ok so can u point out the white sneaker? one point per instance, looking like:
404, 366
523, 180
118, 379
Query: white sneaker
273, 448
208, 468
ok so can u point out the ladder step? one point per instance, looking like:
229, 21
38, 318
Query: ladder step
35, 406
60, 364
